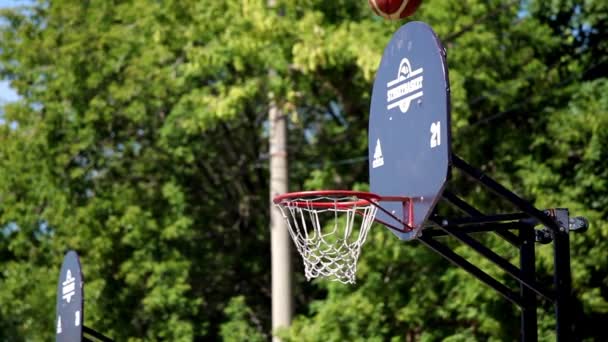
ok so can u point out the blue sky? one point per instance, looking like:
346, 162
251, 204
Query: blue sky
6, 93
9, 3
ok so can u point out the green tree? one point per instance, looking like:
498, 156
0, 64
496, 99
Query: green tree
140, 141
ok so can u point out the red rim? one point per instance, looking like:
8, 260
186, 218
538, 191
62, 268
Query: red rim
365, 198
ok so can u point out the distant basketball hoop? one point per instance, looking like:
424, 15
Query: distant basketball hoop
69, 318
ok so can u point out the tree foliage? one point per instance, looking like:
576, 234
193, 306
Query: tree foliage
140, 140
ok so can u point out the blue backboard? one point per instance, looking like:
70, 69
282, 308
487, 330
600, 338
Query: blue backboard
409, 126
70, 315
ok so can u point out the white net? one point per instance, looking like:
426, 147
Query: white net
329, 232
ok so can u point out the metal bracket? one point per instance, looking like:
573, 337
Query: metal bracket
566, 223
578, 224
543, 236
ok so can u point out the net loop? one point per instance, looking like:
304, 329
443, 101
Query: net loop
328, 229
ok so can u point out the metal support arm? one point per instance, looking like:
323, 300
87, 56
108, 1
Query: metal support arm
472, 211
461, 262
499, 261
93, 335
520, 203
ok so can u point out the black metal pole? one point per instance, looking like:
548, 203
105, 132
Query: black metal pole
477, 228
499, 218
504, 192
459, 261
562, 277
527, 264
562, 280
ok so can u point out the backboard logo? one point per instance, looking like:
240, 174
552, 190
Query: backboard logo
378, 158
405, 88
69, 286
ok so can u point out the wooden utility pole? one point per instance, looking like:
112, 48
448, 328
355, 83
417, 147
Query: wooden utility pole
282, 296
279, 235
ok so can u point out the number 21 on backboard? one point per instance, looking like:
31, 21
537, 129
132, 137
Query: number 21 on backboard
435, 134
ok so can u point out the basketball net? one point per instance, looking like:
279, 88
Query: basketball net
328, 232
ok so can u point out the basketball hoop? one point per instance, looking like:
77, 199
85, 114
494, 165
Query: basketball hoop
323, 226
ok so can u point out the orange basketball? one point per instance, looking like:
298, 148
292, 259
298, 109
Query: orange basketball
394, 9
